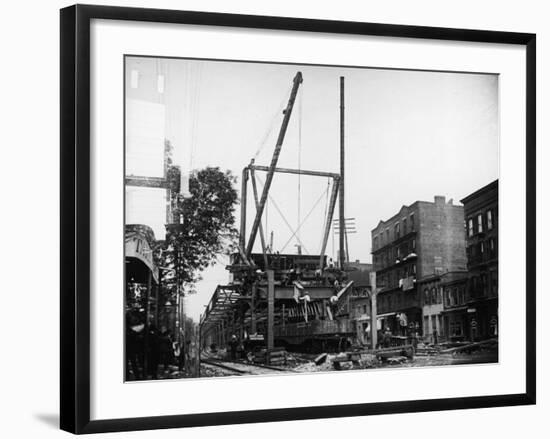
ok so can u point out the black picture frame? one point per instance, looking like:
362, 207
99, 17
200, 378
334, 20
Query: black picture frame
75, 217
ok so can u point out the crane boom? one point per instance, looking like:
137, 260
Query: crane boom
269, 178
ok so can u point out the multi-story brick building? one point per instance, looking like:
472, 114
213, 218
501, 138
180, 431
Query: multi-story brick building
360, 304
481, 215
423, 239
443, 302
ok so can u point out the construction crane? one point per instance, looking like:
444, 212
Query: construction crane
278, 291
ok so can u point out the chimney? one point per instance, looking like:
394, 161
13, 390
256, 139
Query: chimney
439, 200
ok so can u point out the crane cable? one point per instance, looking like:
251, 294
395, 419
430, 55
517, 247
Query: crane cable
296, 233
282, 215
270, 127
263, 143
299, 162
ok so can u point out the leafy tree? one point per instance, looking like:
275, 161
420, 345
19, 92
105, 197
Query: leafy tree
204, 227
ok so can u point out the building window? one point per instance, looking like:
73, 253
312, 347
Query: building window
480, 223
493, 326
470, 227
375, 243
396, 230
411, 220
456, 328
434, 298
387, 236
427, 296
404, 226
484, 283
494, 283
489, 220
492, 252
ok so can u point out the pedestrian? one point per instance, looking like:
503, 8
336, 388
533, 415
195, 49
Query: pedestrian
240, 351
165, 348
233, 343
152, 352
387, 338
135, 348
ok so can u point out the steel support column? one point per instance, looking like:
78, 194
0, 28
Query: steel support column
270, 309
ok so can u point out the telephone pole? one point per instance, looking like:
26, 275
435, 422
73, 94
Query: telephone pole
342, 254
373, 316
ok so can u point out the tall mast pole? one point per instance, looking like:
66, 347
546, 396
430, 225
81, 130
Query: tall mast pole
342, 255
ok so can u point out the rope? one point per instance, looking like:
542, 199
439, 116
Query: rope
302, 223
282, 216
270, 128
299, 164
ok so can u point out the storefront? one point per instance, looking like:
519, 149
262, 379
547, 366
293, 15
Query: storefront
483, 319
141, 279
455, 324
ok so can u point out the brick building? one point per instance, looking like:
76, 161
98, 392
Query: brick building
359, 273
422, 239
481, 216
443, 304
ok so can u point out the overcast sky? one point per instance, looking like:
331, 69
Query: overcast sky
410, 135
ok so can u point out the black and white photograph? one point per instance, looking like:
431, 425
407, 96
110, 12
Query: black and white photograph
275, 219
285, 218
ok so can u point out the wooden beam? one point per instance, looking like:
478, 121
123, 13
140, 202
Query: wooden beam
154, 182
270, 308
296, 171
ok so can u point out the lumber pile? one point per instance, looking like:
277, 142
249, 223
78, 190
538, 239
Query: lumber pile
467, 348
275, 357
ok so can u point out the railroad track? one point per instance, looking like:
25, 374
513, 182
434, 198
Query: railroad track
243, 368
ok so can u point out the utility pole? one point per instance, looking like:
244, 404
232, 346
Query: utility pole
270, 310
253, 329
342, 254
373, 315
147, 326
